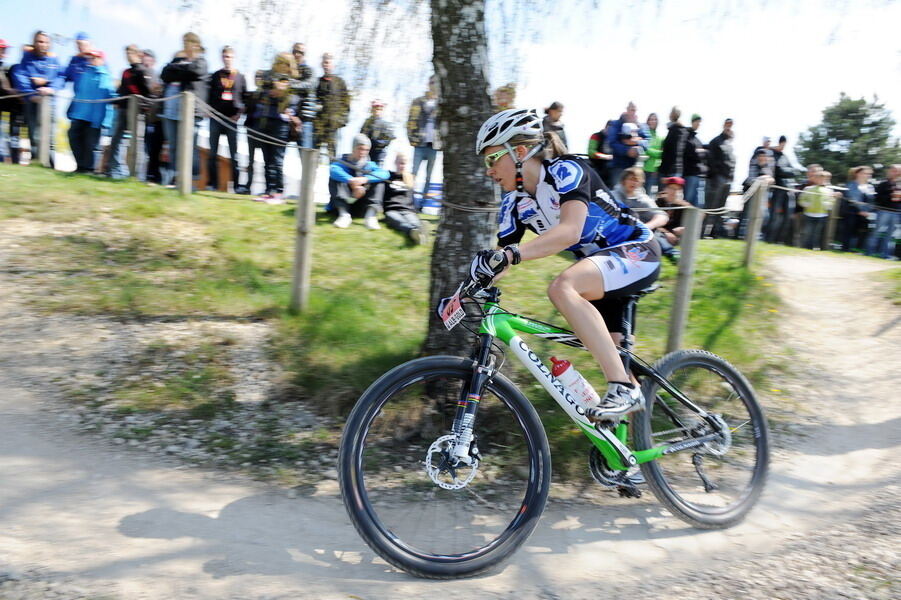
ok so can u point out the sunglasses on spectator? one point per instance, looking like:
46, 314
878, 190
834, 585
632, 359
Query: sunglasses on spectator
491, 159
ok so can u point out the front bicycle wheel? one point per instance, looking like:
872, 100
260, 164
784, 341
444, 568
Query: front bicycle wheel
715, 485
408, 505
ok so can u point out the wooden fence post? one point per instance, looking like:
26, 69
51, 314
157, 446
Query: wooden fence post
682, 294
185, 152
46, 120
306, 219
834, 216
131, 158
752, 230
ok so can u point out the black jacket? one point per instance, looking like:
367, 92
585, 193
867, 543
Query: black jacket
695, 155
136, 79
192, 74
672, 161
783, 172
721, 157
219, 99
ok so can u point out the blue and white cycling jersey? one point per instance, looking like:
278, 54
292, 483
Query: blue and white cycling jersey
563, 179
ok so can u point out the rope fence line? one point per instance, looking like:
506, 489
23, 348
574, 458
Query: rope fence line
22, 95
258, 136
264, 138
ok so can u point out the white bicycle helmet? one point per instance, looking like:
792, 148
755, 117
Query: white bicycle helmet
507, 124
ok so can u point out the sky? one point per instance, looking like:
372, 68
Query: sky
772, 66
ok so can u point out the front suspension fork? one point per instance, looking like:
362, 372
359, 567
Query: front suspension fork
468, 403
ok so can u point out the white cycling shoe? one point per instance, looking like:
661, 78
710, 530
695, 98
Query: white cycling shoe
619, 401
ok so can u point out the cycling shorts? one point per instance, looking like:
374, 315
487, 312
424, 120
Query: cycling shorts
627, 268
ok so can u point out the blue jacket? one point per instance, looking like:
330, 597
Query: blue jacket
76, 67
95, 83
621, 158
341, 172
46, 67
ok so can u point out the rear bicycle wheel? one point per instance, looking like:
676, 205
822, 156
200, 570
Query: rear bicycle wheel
715, 485
415, 512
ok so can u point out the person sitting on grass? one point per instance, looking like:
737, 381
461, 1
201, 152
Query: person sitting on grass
357, 185
672, 196
630, 192
400, 215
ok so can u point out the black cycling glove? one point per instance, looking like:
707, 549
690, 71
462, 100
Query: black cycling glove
486, 265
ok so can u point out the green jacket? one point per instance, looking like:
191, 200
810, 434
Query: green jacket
654, 152
416, 123
816, 199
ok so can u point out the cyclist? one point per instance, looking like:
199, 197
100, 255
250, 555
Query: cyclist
562, 199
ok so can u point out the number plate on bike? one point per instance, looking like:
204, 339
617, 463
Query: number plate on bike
452, 312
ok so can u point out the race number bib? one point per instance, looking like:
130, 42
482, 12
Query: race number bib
451, 310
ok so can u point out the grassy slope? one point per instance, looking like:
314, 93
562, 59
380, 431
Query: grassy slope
144, 252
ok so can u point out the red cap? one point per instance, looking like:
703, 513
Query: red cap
3, 44
376, 103
676, 180
559, 366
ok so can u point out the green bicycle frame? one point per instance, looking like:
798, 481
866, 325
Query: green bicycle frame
611, 444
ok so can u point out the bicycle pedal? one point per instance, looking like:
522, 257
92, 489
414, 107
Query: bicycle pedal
606, 424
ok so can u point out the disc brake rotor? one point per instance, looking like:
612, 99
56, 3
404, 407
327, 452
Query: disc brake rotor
443, 470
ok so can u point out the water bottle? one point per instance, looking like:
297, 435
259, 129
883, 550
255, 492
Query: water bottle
575, 384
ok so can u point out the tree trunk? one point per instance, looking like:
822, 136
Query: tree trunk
460, 55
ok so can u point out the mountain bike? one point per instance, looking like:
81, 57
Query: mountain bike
445, 467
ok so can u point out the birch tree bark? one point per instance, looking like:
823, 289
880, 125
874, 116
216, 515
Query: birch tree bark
467, 222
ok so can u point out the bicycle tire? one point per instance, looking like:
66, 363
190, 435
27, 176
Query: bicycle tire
361, 449
693, 372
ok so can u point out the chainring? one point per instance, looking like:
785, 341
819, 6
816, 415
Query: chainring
607, 477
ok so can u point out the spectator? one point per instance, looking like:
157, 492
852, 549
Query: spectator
82, 59
187, 72
625, 152
695, 165
654, 151
13, 107
39, 74
227, 87
135, 81
379, 131
761, 167
504, 97
87, 118
856, 208
153, 128
672, 159
308, 104
630, 192
333, 96
357, 185
599, 152
422, 131
552, 122
782, 203
721, 165
672, 198
816, 201
398, 206
888, 211
251, 123
276, 111
765, 145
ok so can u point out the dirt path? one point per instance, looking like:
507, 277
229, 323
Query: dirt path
82, 519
